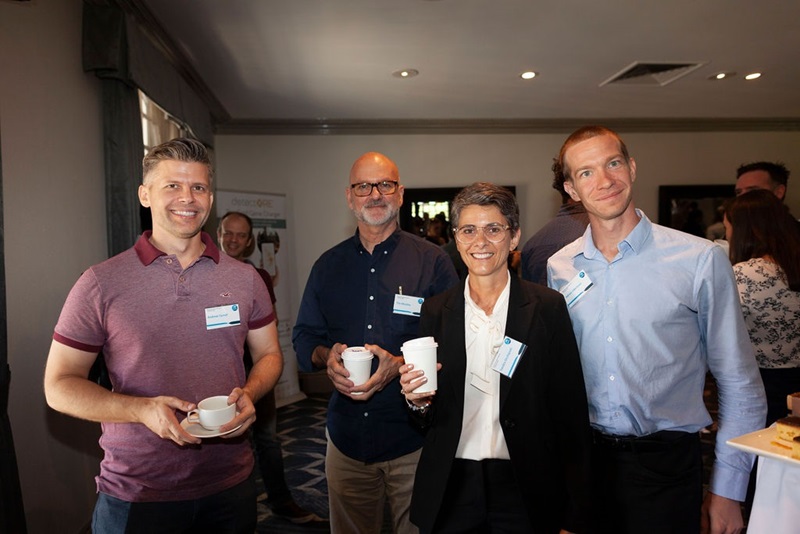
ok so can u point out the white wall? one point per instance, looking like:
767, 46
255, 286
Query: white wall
313, 171
52, 154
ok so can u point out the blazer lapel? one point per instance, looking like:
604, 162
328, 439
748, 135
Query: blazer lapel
453, 315
518, 323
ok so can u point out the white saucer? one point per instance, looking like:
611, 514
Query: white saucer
197, 430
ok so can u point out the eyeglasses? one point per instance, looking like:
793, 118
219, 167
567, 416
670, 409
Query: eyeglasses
469, 233
384, 187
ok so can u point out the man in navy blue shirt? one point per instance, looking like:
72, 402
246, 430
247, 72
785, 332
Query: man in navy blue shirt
367, 290
568, 225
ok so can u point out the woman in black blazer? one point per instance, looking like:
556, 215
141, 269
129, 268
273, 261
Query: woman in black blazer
506, 448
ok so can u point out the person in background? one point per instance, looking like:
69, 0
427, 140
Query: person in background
765, 250
154, 310
716, 230
506, 450
568, 225
762, 175
653, 309
235, 237
367, 291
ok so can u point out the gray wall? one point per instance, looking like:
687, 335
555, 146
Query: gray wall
51, 134
54, 227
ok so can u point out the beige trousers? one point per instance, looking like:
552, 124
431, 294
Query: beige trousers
357, 492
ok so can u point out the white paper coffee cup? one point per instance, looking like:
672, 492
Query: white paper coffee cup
358, 361
421, 352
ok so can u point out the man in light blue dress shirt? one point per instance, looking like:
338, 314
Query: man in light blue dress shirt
653, 309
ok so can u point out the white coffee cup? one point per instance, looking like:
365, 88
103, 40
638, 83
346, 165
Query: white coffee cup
358, 361
421, 352
212, 412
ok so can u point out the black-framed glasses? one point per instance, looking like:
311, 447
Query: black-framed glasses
469, 233
364, 189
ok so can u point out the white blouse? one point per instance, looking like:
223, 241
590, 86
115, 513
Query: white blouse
771, 312
481, 434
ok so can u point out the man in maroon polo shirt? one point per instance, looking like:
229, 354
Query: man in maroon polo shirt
171, 316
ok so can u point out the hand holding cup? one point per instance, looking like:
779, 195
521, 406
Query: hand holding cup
213, 412
418, 377
358, 362
421, 353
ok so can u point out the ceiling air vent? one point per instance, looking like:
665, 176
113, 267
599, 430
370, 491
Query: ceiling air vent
652, 73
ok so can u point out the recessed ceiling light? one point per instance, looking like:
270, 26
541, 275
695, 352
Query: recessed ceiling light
721, 75
753, 76
405, 73
528, 75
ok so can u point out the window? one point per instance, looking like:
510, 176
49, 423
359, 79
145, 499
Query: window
159, 126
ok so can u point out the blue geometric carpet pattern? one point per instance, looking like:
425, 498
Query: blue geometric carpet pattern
301, 429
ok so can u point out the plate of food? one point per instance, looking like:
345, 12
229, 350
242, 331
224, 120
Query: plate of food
780, 441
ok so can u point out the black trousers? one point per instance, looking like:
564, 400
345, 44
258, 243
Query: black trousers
778, 383
482, 497
652, 484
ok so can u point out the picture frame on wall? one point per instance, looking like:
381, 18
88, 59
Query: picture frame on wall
694, 209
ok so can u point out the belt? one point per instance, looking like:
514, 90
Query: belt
658, 441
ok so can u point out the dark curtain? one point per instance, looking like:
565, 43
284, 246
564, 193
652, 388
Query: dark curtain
121, 53
123, 151
12, 513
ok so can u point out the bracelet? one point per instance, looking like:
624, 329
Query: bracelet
420, 409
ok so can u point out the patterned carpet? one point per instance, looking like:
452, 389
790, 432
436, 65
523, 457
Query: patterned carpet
301, 429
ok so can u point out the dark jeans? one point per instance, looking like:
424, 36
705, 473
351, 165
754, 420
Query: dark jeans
482, 497
652, 484
232, 511
268, 450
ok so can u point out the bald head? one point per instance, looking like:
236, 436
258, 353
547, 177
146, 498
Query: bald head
373, 167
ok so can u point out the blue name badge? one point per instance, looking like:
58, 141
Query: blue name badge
576, 288
222, 316
407, 305
508, 356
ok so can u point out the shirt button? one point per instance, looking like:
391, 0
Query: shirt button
609, 339
169, 261
609, 302
385, 251
366, 414
612, 378
371, 297
181, 279
372, 270
369, 327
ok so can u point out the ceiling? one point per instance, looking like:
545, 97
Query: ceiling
272, 61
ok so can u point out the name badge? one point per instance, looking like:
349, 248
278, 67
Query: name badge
407, 305
222, 316
576, 288
508, 356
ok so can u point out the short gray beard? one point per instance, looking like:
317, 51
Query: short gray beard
391, 214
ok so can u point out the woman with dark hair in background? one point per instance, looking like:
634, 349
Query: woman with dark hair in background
765, 250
